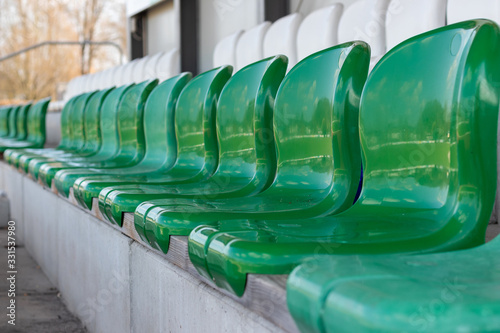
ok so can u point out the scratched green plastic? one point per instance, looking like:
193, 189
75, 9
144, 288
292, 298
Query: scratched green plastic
191, 146
246, 155
428, 123
318, 166
129, 148
29, 127
158, 123
15, 157
441, 292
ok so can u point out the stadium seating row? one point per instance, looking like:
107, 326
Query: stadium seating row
262, 171
160, 66
381, 23
23, 126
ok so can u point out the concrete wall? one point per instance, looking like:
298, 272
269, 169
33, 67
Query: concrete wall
112, 283
163, 27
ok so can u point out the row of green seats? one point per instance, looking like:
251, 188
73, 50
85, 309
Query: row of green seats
262, 170
23, 126
451, 88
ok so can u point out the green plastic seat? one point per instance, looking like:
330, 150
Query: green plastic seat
84, 138
158, 123
14, 157
108, 119
21, 130
441, 292
428, 120
130, 144
246, 160
192, 156
76, 136
12, 121
4, 121
318, 152
34, 134
152, 115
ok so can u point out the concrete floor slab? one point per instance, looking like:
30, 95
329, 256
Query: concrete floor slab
39, 307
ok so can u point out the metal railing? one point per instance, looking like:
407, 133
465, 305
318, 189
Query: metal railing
49, 43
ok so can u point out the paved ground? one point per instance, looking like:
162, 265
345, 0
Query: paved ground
38, 306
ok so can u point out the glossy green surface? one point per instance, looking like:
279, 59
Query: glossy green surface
84, 139
130, 143
12, 121
243, 124
21, 130
22, 122
193, 143
428, 123
442, 292
318, 166
76, 136
109, 133
4, 120
159, 135
34, 135
19, 157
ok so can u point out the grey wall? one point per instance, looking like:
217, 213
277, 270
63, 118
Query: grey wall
163, 27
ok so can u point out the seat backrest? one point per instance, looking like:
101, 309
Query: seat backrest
71, 88
462, 10
159, 120
168, 65
150, 68
281, 38
119, 75
130, 122
365, 20
131, 69
426, 133
4, 121
318, 30
77, 121
250, 46
65, 142
139, 70
316, 126
109, 121
91, 121
412, 17
13, 121
126, 73
225, 50
193, 139
36, 122
22, 122
244, 123
110, 77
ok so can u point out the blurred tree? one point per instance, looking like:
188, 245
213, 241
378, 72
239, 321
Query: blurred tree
37, 73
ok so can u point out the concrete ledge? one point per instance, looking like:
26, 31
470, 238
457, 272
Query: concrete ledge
114, 283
